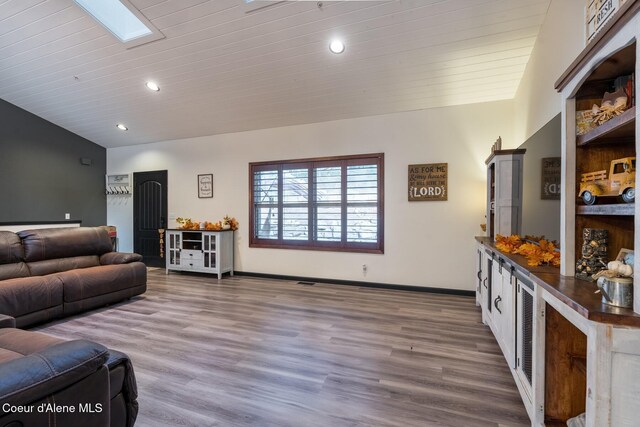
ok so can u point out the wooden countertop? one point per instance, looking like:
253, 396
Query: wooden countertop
578, 294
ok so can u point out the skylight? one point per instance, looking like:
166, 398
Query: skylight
121, 18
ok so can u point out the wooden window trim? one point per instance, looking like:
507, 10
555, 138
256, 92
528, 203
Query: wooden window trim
310, 243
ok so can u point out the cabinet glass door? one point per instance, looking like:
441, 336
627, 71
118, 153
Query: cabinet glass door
174, 248
209, 251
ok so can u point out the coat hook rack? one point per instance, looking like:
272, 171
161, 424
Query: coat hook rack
118, 185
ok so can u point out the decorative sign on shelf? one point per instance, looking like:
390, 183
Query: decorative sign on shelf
550, 188
598, 12
428, 182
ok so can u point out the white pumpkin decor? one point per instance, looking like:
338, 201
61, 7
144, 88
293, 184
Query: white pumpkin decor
620, 268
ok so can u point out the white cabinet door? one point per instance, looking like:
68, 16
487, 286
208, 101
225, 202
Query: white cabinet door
173, 249
502, 308
479, 273
495, 308
507, 305
525, 333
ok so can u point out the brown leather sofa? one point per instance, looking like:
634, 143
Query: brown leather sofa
49, 273
45, 381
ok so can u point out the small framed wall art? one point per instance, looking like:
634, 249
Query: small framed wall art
205, 186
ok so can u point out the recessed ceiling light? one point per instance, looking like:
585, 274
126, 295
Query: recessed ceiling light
336, 46
121, 126
152, 86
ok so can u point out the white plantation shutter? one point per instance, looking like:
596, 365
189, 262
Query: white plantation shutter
362, 203
265, 200
328, 204
295, 204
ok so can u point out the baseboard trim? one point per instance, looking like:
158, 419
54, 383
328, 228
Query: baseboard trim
446, 291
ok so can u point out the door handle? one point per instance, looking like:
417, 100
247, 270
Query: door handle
484, 282
478, 275
495, 303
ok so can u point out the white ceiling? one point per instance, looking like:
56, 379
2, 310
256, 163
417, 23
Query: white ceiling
222, 70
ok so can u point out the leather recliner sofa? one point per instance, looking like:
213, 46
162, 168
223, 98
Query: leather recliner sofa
49, 273
46, 381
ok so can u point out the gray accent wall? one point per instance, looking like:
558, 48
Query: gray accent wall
539, 216
41, 177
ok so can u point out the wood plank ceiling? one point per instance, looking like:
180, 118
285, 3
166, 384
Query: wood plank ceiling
223, 69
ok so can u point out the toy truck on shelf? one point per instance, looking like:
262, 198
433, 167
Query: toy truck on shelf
621, 182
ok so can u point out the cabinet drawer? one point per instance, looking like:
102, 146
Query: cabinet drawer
186, 255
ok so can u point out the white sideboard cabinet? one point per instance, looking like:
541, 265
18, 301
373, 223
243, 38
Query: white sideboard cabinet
200, 251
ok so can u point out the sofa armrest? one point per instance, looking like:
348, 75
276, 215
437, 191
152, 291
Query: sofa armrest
127, 387
30, 378
7, 321
119, 258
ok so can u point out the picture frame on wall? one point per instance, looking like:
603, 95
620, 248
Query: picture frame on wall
205, 186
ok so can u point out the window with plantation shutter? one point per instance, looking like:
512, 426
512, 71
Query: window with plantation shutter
333, 203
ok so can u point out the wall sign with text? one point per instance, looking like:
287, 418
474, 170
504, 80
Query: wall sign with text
428, 182
550, 189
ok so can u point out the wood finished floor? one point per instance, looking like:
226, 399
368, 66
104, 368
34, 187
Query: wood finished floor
247, 351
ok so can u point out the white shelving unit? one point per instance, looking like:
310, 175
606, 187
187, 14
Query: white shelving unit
200, 251
504, 192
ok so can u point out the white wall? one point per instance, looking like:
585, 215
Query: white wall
426, 243
561, 39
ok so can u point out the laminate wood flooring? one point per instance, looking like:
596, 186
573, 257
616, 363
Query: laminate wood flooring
256, 352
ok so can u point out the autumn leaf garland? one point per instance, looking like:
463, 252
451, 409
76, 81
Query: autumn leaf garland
508, 244
544, 252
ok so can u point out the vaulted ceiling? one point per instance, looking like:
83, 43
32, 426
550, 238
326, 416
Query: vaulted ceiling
225, 66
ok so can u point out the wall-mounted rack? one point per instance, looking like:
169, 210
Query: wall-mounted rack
118, 185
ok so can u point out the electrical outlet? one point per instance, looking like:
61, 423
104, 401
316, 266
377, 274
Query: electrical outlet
67, 216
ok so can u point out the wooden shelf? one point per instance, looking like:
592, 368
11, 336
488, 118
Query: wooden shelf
618, 129
612, 209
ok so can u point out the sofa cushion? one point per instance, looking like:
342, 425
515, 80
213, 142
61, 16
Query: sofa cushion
50, 266
10, 248
16, 343
29, 294
53, 243
12, 271
119, 258
94, 281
